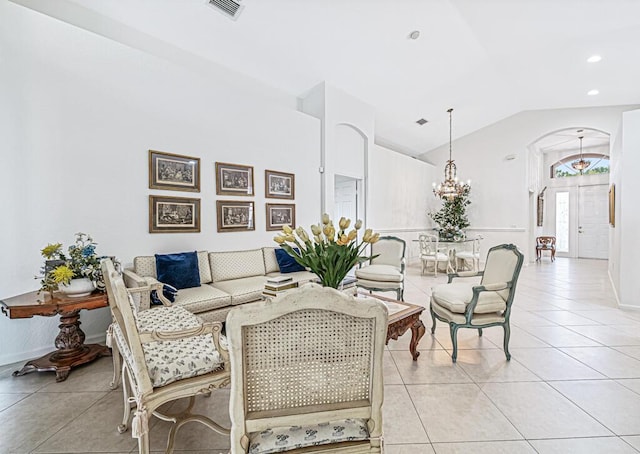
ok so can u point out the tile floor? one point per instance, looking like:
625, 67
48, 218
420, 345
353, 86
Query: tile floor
573, 384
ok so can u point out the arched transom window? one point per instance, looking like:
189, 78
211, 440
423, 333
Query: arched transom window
598, 163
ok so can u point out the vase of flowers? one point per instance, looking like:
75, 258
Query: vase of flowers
330, 254
73, 273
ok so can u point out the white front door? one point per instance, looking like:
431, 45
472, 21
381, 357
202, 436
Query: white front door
593, 227
345, 199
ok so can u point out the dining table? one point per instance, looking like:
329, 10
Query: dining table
451, 247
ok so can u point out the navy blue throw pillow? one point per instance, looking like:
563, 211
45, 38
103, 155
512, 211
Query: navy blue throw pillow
168, 292
286, 263
178, 270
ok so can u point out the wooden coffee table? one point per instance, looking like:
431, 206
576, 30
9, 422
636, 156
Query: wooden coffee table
71, 349
403, 316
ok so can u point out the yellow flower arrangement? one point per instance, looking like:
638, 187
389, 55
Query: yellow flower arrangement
330, 254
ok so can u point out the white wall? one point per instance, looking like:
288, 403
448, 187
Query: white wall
499, 187
627, 212
78, 115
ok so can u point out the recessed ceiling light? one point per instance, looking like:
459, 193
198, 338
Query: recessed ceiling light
594, 59
414, 34
422, 121
593, 92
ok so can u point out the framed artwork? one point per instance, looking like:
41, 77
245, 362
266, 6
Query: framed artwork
173, 214
279, 185
234, 179
234, 215
279, 214
612, 205
173, 172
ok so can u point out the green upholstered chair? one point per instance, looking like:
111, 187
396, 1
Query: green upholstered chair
385, 272
465, 305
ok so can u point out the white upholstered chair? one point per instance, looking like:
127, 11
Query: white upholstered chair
472, 257
164, 359
430, 253
306, 373
465, 305
385, 272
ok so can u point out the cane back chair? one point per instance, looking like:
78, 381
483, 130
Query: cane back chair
306, 373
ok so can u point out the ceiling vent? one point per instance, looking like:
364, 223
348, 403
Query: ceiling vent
422, 122
229, 8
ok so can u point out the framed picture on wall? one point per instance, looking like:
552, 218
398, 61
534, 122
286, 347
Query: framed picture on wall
173, 214
234, 179
279, 185
280, 214
235, 216
173, 172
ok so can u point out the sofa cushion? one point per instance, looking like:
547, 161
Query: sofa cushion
145, 266
236, 264
179, 270
202, 299
243, 290
286, 263
270, 262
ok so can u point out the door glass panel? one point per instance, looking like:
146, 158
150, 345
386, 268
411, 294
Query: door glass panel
562, 221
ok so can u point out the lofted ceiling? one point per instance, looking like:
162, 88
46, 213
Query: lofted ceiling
488, 59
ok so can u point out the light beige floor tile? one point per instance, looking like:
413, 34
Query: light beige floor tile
94, 376
433, 366
632, 384
519, 338
467, 338
485, 447
566, 318
609, 445
34, 419
400, 422
456, 413
633, 441
607, 335
606, 360
26, 383
492, 366
552, 364
194, 436
408, 449
427, 342
391, 376
615, 406
524, 319
630, 351
7, 400
539, 411
609, 317
558, 336
99, 423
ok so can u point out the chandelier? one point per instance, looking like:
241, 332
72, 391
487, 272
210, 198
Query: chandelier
450, 188
581, 164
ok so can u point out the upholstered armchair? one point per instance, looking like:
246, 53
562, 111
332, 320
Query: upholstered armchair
166, 355
430, 253
306, 373
385, 272
465, 305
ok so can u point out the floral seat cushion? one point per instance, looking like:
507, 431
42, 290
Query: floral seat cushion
166, 318
281, 439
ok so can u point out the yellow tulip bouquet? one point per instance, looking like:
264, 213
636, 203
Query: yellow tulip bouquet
330, 254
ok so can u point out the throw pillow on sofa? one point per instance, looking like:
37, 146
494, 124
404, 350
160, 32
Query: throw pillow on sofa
178, 270
287, 263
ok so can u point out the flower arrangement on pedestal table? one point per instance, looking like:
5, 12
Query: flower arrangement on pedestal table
330, 254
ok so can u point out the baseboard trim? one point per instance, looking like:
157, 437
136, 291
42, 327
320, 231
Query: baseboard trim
15, 357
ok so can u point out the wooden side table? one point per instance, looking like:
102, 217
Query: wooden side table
71, 349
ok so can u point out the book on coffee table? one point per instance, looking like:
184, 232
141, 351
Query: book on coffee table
280, 287
275, 280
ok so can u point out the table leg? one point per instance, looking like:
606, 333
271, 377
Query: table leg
71, 350
417, 331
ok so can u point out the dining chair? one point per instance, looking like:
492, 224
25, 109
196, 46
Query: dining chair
306, 373
430, 253
470, 256
478, 306
545, 243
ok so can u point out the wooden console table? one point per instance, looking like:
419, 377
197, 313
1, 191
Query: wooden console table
71, 349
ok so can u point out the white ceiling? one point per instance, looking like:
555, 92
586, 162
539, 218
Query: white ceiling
488, 59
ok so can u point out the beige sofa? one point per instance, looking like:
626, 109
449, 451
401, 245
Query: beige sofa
227, 279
